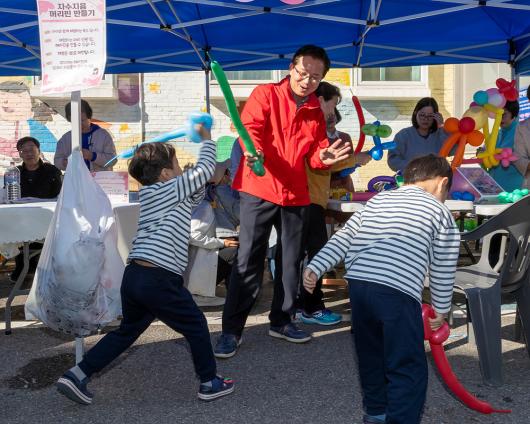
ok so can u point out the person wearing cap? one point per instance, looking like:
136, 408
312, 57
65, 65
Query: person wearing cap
213, 239
37, 179
97, 146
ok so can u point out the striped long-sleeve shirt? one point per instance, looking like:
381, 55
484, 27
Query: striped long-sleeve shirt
399, 238
165, 214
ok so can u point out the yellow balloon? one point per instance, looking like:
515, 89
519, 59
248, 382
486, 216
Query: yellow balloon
478, 114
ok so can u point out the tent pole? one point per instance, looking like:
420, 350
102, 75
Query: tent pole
207, 86
75, 115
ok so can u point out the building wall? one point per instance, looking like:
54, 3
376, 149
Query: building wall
151, 104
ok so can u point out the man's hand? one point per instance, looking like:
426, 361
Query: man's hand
335, 153
310, 280
437, 321
363, 158
231, 243
250, 159
87, 154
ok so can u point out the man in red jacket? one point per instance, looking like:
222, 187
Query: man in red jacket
287, 126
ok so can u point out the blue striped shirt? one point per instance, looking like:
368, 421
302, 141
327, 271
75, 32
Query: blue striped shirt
165, 214
399, 238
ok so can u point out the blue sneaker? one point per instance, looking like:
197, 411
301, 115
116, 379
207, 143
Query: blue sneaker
226, 346
74, 389
322, 317
219, 387
290, 332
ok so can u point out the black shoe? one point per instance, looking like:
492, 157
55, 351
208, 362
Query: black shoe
74, 389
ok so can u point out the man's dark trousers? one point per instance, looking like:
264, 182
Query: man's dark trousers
257, 218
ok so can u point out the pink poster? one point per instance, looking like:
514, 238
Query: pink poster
72, 43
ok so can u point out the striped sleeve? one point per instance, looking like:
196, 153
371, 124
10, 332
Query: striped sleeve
442, 268
184, 186
337, 246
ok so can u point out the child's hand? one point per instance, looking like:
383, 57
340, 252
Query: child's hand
437, 321
203, 132
310, 280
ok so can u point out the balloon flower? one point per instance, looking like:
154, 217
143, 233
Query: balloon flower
436, 339
257, 167
507, 89
188, 130
462, 132
376, 130
506, 157
512, 197
491, 102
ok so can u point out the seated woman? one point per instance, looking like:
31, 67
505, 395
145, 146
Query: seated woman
37, 179
508, 178
213, 239
425, 136
96, 144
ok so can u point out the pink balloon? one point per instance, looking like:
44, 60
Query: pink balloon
473, 104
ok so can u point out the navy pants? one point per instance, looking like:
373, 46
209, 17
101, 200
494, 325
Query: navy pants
388, 335
257, 218
148, 293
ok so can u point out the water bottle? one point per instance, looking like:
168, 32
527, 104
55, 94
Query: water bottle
12, 183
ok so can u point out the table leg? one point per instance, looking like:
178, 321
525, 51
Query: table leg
15, 290
79, 349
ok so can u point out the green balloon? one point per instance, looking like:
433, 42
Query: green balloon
384, 131
257, 167
369, 129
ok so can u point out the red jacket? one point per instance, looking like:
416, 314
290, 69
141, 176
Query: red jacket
287, 137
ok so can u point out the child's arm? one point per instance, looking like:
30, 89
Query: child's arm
335, 249
445, 251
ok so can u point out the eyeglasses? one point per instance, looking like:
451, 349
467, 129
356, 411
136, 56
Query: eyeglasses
304, 75
425, 116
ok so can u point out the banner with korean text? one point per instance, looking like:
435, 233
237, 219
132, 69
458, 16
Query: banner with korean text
73, 44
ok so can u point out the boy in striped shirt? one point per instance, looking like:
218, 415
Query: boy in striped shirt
389, 248
152, 285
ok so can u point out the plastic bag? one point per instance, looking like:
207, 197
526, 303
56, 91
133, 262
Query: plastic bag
76, 288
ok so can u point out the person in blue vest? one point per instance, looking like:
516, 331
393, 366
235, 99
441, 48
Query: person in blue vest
508, 178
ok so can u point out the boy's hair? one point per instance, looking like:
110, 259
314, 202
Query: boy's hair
149, 160
427, 168
316, 53
24, 140
85, 107
513, 108
328, 91
426, 101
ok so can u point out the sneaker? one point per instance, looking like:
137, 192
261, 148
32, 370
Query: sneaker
290, 332
74, 389
220, 387
322, 317
226, 346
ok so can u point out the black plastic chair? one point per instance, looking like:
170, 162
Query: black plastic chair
485, 287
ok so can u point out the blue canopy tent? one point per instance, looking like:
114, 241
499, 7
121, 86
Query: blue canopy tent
175, 35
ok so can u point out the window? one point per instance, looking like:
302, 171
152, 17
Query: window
402, 82
401, 74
